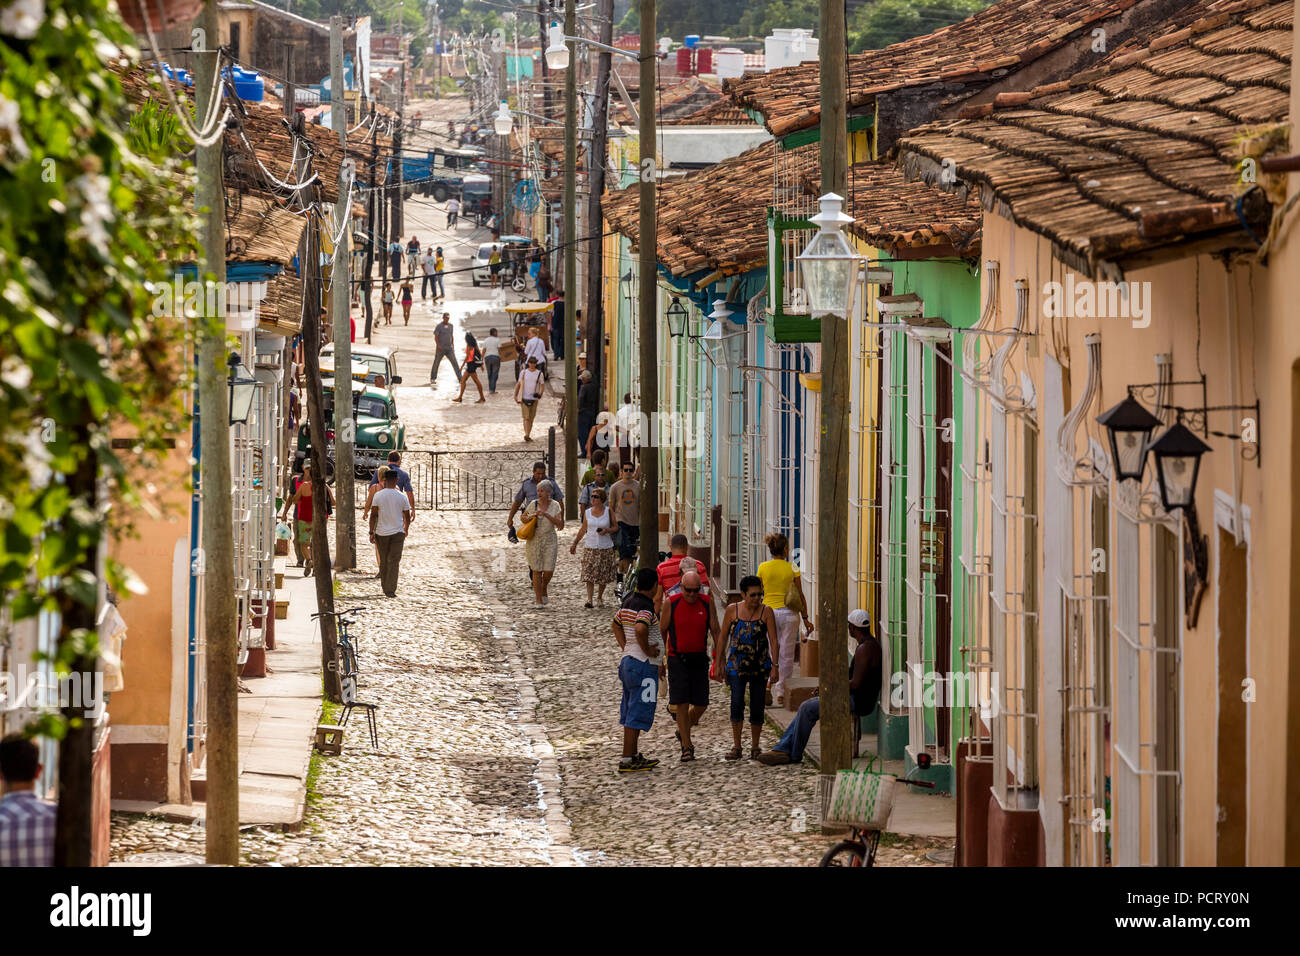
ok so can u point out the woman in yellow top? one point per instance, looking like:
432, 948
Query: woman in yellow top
781, 579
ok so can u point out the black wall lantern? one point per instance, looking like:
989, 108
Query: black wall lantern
1129, 426
1178, 464
677, 318
243, 386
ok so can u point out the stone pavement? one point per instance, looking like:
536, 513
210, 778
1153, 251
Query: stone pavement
498, 723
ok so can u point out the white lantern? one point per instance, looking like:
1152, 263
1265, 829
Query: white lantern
503, 122
829, 263
557, 54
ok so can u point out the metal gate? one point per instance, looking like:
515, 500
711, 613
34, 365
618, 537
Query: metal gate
470, 479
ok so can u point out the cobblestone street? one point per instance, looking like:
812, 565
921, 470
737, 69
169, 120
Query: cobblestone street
498, 723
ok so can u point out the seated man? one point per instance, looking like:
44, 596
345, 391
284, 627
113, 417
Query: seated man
864, 693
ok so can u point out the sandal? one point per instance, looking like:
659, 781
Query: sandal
754, 752
732, 754
688, 753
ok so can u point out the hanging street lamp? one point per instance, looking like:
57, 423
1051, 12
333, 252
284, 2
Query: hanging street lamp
677, 318
829, 263
557, 54
1178, 463
242, 388
1128, 426
503, 122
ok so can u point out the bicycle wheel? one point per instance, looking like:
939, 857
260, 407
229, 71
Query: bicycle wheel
349, 658
846, 853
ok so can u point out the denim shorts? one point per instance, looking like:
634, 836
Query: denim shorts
640, 680
629, 537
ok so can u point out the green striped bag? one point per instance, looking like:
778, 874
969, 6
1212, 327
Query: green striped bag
862, 798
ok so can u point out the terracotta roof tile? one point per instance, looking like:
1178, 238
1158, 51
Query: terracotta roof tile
1140, 157
971, 54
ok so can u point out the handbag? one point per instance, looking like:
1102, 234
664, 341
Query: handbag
527, 529
862, 798
794, 599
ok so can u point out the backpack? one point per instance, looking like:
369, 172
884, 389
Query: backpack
673, 647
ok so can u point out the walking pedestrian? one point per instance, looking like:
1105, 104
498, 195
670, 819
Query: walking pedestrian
783, 593
747, 625
528, 491
599, 480
408, 296
453, 211
374, 489
598, 558
588, 406
302, 505
387, 299
625, 499
494, 266
426, 275
535, 348
543, 281
412, 253
473, 360
390, 519
673, 568
439, 267
395, 260
557, 323
542, 548
26, 821
639, 669
445, 339
492, 359
528, 392
599, 458
403, 479
688, 623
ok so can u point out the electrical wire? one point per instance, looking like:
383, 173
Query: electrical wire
211, 129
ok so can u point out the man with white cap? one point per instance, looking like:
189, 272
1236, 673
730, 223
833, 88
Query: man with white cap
864, 693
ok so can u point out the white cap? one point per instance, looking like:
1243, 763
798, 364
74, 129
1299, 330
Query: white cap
859, 618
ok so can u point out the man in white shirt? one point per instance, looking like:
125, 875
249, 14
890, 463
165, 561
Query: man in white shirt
427, 262
492, 358
390, 519
453, 212
535, 348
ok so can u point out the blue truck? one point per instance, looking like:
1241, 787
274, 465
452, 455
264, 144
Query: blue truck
441, 172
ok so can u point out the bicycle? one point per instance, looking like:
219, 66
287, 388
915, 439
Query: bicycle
347, 650
864, 837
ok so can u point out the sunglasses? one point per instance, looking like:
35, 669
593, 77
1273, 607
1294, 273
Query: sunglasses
754, 594
690, 590
628, 470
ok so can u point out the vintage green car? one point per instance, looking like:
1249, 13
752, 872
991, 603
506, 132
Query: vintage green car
378, 429
369, 362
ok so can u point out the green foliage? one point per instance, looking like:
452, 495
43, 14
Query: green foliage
86, 224
877, 25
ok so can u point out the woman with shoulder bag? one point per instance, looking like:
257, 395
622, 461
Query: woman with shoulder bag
783, 593
543, 544
747, 626
528, 391
599, 560
473, 360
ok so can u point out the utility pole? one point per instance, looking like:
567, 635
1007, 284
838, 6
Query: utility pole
833, 474
399, 226
571, 265
546, 70
217, 557
647, 307
373, 202
290, 91
593, 337
345, 529
309, 256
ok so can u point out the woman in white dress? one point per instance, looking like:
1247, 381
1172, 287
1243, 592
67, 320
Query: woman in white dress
541, 549
599, 561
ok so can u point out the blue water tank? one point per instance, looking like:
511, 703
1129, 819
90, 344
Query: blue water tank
249, 85
692, 41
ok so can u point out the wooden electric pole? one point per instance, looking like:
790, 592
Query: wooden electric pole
833, 475
571, 265
593, 337
647, 304
217, 561
373, 202
345, 531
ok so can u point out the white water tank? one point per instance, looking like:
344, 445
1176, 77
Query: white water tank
789, 48
729, 62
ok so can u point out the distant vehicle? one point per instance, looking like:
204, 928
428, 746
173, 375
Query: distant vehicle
479, 261
440, 172
474, 188
368, 362
378, 430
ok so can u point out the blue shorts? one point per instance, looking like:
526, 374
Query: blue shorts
629, 537
640, 679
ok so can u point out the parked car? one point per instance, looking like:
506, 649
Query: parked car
368, 363
482, 273
379, 430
